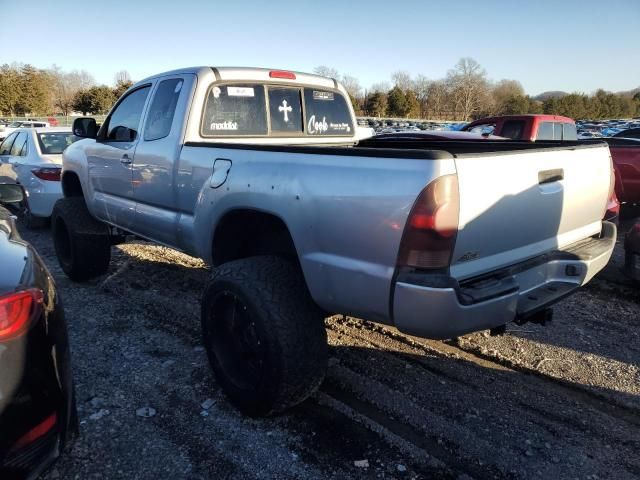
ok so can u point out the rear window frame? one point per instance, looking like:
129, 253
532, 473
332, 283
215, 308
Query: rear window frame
41, 145
270, 133
522, 124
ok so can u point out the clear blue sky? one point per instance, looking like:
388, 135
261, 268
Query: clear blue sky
547, 44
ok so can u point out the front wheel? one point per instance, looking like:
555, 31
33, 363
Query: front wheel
81, 242
264, 335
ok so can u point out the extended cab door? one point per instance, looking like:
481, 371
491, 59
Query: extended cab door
157, 156
110, 160
6, 171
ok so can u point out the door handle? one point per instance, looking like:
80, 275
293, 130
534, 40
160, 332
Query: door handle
125, 160
550, 176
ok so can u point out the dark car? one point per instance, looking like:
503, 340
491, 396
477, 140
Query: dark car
37, 407
632, 252
629, 133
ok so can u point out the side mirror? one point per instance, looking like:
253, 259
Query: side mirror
85, 127
11, 193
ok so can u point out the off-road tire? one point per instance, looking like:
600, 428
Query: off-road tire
81, 242
286, 326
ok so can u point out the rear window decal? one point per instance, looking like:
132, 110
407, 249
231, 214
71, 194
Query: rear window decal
340, 127
240, 91
235, 110
317, 128
226, 125
318, 95
328, 113
284, 108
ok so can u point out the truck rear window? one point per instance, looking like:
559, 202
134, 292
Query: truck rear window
285, 110
557, 131
243, 110
327, 113
513, 129
232, 110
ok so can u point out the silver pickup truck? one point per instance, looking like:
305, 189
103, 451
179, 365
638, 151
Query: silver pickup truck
259, 173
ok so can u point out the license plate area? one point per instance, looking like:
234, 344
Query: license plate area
537, 298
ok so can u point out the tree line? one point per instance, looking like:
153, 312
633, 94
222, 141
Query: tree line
465, 93
27, 90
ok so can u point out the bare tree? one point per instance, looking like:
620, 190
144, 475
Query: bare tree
402, 80
122, 77
421, 88
504, 92
352, 85
437, 99
326, 71
65, 86
468, 83
382, 87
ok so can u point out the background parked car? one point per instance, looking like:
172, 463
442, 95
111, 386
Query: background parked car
33, 158
37, 407
629, 133
13, 126
625, 154
526, 127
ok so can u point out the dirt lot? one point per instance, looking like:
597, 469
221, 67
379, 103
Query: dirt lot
561, 401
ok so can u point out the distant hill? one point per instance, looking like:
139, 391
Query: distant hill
550, 94
630, 93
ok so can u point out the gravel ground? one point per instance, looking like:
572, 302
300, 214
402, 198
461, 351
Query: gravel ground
560, 401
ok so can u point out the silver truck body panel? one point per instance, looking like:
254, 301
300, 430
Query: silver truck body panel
347, 238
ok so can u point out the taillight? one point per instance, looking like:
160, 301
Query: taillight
612, 198
37, 432
17, 310
432, 226
282, 74
51, 174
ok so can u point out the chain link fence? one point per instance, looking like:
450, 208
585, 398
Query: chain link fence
59, 121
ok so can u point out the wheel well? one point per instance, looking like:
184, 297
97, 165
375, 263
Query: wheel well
71, 186
247, 233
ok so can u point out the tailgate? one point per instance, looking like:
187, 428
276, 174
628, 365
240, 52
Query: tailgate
517, 205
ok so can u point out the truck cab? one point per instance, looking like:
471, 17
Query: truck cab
526, 127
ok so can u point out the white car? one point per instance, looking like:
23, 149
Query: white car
32, 157
7, 130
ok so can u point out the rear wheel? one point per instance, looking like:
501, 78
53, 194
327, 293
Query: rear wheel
81, 242
264, 335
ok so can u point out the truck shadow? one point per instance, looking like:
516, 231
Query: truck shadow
473, 416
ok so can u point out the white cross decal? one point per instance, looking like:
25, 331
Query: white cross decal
286, 109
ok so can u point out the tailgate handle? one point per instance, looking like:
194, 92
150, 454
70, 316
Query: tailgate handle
550, 176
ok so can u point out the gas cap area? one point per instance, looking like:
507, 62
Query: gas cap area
221, 168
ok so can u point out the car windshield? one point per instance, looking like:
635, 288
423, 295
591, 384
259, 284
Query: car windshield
15, 124
54, 143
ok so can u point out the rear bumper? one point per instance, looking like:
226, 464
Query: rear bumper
441, 307
42, 195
